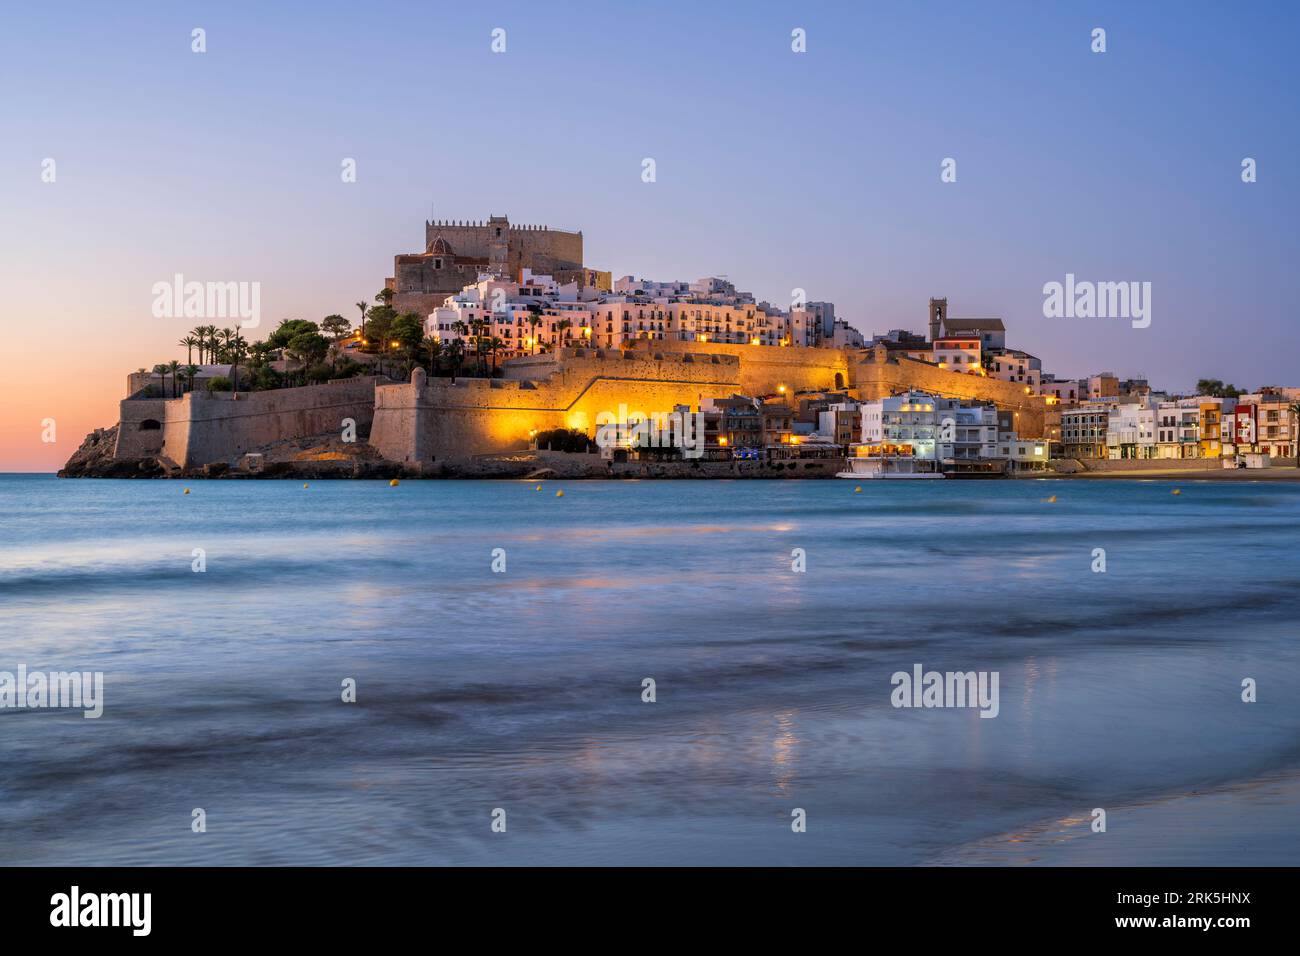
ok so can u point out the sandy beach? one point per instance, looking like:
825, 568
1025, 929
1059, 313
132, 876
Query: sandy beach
1276, 473
1251, 822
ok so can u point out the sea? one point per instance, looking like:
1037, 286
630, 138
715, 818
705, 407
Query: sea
651, 672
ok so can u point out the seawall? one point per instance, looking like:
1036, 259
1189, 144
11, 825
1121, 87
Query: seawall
204, 427
425, 420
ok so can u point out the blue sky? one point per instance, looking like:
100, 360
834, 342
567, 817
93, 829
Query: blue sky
779, 170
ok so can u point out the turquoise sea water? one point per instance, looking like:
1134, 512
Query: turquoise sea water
522, 690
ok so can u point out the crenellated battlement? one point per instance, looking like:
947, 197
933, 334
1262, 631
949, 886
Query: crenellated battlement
505, 223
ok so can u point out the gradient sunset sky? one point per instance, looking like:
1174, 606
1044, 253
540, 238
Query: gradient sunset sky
778, 170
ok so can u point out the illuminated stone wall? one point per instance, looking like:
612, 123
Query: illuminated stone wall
429, 420
764, 369
432, 419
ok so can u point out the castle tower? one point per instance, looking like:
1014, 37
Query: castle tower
499, 245
938, 316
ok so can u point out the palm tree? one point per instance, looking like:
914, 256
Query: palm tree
495, 345
477, 325
161, 371
1295, 430
562, 327
188, 344
221, 342
456, 354
362, 306
173, 366
191, 371
260, 352
236, 346
534, 320
433, 345
210, 337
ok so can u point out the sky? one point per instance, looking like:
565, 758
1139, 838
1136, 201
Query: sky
818, 170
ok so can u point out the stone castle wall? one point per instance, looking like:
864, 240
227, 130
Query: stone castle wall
433, 420
204, 427
764, 369
540, 248
545, 250
865, 374
421, 282
430, 420
136, 436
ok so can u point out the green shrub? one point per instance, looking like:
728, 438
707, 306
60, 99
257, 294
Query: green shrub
566, 440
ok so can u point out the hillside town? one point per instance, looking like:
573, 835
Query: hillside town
1098, 416
959, 399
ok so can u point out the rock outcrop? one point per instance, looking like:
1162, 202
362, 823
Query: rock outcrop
94, 459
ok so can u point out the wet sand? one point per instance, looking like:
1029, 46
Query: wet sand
1285, 473
1250, 823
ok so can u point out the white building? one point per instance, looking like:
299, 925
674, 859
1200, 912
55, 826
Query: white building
1012, 365
1131, 431
1178, 429
933, 428
959, 353
537, 313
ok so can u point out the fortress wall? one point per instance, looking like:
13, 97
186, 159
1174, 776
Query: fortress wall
466, 240
541, 249
765, 368
421, 303
427, 420
545, 250
424, 420
132, 440
207, 427
876, 378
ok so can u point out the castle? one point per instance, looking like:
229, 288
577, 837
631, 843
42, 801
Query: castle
456, 253
654, 346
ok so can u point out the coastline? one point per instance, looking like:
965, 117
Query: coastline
1249, 820
324, 456
1277, 473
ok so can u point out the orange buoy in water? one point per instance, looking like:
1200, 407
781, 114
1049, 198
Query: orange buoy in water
857, 489
1052, 500
394, 483
187, 491
559, 493
1178, 491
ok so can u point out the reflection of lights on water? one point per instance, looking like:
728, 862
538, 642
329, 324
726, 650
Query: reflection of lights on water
1026, 702
783, 750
